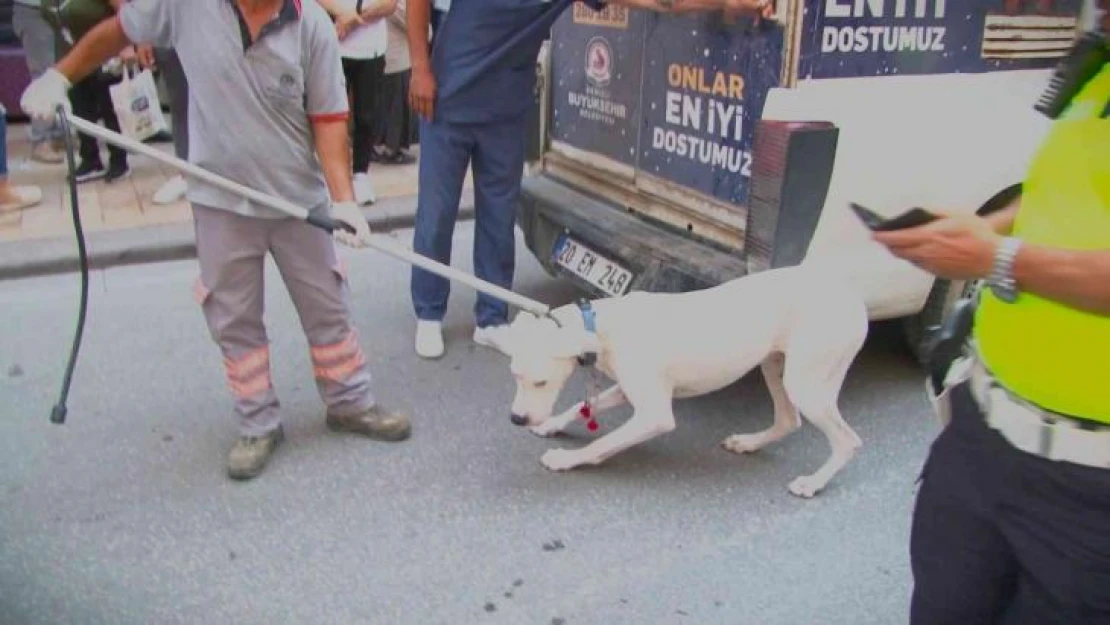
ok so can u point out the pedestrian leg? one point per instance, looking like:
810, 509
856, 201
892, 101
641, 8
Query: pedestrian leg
231, 250
106, 110
498, 168
39, 43
317, 283
394, 120
364, 78
83, 99
444, 156
178, 88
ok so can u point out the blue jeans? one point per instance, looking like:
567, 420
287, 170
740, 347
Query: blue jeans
497, 153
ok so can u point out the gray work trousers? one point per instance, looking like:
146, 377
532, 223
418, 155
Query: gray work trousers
39, 43
178, 89
231, 249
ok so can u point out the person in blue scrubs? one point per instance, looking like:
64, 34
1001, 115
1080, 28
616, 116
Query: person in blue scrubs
473, 91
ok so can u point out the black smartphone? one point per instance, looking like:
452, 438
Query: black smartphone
909, 219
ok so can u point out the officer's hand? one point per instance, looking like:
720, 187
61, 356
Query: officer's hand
956, 247
41, 98
422, 92
349, 213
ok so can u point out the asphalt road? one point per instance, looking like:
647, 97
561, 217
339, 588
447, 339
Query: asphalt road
124, 514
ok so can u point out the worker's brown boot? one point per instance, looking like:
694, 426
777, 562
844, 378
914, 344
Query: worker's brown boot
377, 423
250, 453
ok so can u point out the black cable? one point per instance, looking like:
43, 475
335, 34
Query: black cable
58, 414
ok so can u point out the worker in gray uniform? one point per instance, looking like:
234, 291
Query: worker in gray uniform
267, 109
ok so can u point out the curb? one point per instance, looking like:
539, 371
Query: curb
151, 244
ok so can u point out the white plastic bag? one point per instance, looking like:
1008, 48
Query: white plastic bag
135, 99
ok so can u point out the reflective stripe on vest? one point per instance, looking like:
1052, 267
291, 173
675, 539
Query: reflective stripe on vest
1048, 353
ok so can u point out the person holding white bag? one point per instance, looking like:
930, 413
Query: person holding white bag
91, 97
173, 76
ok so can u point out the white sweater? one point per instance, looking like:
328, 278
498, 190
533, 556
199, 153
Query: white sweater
397, 57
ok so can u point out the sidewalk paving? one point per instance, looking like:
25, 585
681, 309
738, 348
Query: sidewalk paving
123, 225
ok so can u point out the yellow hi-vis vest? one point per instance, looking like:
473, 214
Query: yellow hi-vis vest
1052, 355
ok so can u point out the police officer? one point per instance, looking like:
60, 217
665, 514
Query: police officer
1012, 520
473, 92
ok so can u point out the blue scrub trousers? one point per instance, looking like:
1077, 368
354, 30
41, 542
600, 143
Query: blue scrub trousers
496, 151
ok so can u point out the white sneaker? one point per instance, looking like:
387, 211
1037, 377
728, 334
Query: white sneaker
497, 337
364, 189
170, 191
429, 339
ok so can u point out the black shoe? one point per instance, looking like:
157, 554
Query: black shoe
117, 171
251, 453
88, 171
399, 157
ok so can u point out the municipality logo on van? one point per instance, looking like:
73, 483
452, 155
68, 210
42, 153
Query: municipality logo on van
599, 62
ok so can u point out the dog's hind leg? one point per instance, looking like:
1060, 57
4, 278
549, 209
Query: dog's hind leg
814, 387
606, 400
786, 415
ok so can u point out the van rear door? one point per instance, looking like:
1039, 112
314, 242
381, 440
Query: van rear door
664, 107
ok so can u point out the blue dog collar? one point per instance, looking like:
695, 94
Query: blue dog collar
589, 319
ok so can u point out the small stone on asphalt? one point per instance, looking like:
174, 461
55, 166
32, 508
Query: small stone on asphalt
554, 545
15, 371
490, 607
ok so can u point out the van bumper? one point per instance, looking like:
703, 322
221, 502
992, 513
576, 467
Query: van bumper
660, 259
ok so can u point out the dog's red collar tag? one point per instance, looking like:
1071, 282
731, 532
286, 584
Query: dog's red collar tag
586, 413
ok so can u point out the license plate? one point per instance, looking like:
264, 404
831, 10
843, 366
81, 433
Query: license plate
592, 267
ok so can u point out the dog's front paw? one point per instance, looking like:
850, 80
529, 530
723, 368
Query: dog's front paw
742, 443
547, 429
806, 486
559, 459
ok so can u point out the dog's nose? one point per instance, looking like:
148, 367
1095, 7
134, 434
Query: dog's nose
518, 419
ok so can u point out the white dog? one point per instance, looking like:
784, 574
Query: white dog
802, 326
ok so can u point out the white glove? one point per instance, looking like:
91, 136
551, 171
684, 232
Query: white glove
349, 213
41, 98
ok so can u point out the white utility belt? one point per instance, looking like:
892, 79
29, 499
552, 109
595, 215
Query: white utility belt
1031, 429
